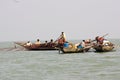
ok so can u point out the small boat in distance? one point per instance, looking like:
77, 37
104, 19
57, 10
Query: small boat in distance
75, 50
103, 45
72, 48
104, 48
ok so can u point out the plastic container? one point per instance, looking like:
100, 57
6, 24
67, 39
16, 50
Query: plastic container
66, 45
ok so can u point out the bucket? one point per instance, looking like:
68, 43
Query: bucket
66, 45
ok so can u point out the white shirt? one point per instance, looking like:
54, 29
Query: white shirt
83, 44
29, 44
63, 35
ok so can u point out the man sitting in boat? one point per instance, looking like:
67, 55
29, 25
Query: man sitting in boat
37, 42
88, 41
46, 44
107, 43
28, 43
51, 43
82, 44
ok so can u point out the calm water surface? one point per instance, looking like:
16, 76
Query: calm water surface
18, 64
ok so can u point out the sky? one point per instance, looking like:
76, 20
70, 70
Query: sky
22, 20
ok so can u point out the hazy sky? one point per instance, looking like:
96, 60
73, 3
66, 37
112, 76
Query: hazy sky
46, 19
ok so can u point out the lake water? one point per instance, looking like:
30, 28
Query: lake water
18, 64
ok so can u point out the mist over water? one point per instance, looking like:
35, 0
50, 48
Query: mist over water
19, 64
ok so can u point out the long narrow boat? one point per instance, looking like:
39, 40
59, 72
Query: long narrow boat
104, 48
42, 46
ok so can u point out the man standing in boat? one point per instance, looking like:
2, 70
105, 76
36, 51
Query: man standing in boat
63, 36
61, 39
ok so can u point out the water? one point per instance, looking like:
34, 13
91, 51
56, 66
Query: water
18, 64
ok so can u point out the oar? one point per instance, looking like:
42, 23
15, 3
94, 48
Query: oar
105, 35
102, 36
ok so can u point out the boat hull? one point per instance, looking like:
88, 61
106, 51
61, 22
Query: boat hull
37, 47
103, 48
75, 50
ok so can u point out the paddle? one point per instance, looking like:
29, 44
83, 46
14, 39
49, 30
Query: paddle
105, 35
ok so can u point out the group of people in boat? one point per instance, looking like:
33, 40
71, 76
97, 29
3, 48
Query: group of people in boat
61, 41
82, 44
101, 41
30, 43
38, 43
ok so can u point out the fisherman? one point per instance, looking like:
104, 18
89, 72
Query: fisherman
51, 43
46, 43
88, 41
61, 42
61, 39
62, 36
37, 42
106, 42
99, 39
28, 43
82, 44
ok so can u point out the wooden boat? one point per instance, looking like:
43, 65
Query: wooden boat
104, 48
42, 46
74, 49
